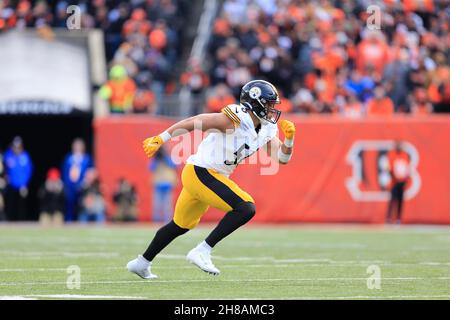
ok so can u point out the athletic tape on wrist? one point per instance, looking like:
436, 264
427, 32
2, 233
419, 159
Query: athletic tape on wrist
165, 136
289, 142
283, 157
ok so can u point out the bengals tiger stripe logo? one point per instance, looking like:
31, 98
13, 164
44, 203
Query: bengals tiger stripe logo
370, 179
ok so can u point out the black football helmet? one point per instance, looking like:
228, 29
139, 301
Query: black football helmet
260, 97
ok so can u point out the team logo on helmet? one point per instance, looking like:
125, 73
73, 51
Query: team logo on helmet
255, 92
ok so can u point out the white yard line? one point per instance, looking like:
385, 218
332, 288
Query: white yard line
15, 298
279, 263
81, 296
435, 263
286, 261
227, 266
310, 245
216, 279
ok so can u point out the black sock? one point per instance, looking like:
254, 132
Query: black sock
163, 237
231, 221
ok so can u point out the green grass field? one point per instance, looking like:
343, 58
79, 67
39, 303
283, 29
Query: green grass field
257, 262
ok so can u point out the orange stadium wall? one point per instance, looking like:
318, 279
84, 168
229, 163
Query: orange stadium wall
322, 183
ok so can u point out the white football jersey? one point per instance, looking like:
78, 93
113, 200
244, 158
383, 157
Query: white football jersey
224, 151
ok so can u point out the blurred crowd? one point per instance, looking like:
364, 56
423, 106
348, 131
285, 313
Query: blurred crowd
325, 56
141, 36
72, 193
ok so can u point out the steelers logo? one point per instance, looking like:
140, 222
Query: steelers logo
255, 93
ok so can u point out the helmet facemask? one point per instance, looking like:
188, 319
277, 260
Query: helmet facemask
266, 110
272, 114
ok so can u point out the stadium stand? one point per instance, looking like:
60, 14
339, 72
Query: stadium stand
143, 36
319, 53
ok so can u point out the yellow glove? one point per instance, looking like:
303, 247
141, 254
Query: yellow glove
151, 145
288, 129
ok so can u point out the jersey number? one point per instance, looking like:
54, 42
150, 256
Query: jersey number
238, 156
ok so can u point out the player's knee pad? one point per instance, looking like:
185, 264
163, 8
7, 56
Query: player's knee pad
246, 209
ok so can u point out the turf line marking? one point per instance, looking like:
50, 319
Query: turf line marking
229, 266
435, 263
309, 245
80, 296
15, 298
213, 279
56, 254
282, 261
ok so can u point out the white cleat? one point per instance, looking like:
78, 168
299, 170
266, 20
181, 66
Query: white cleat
141, 267
202, 259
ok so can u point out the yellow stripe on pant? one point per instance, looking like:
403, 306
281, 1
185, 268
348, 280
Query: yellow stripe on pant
203, 188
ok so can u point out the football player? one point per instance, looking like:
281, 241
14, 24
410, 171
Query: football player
247, 127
